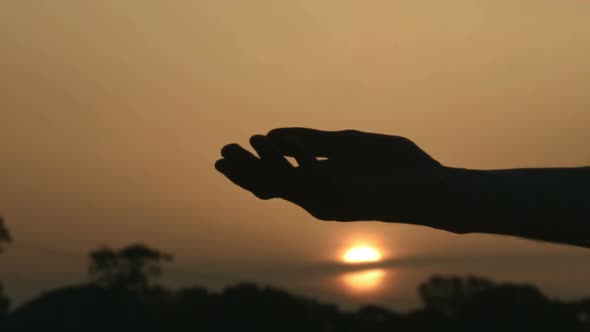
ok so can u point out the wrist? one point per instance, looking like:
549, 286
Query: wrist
476, 202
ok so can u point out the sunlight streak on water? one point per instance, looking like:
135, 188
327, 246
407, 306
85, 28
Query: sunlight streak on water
364, 281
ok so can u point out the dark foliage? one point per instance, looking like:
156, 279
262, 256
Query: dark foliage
132, 267
4, 234
247, 307
4, 303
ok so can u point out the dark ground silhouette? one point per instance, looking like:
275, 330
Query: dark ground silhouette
123, 296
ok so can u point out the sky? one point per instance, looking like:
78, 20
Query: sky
113, 112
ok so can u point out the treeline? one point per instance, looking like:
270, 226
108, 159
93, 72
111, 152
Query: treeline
122, 295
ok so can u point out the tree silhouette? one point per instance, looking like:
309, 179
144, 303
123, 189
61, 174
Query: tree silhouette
474, 303
4, 235
130, 268
446, 295
4, 239
4, 303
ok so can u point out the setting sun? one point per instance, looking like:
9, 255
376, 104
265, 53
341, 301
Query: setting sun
362, 254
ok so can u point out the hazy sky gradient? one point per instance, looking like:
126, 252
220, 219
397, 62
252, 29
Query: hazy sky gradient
113, 112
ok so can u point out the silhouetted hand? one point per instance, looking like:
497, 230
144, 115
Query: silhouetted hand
359, 176
350, 175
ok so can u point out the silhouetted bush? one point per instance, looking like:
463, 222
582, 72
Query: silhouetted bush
132, 267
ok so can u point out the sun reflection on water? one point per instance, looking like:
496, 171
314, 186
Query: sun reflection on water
367, 281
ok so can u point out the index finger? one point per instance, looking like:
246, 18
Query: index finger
318, 143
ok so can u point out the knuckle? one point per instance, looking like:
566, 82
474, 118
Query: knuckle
320, 214
274, 132
350, 132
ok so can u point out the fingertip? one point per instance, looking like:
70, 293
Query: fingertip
256, 140
220, 165
228, 149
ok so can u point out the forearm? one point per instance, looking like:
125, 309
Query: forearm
551, 204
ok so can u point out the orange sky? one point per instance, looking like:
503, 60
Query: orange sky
113, 112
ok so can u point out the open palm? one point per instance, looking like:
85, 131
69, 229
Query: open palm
341, 175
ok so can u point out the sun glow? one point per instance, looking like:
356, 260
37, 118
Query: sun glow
362, 254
